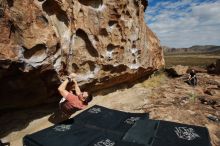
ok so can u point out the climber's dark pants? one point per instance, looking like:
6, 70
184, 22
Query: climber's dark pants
192, 82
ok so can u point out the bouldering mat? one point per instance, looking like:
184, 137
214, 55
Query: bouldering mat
177, 134
100, 126
96, 126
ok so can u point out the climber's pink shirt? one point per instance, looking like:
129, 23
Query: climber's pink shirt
72, 101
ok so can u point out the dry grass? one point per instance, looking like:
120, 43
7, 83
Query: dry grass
155, 80
201, 60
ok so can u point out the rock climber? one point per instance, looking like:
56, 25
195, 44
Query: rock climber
71, 100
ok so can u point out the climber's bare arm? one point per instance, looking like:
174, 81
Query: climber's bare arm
62, 88
189, 77
77, 89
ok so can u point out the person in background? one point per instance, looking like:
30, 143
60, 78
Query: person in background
192, 79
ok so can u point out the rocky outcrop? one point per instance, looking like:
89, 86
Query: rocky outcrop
106, 42
177, 71
214, 68
218, 66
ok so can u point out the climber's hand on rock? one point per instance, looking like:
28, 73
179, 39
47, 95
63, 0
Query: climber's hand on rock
74, 80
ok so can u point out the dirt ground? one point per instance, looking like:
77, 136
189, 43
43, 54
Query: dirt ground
162, 97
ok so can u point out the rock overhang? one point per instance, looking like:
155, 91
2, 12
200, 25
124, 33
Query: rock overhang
104, 42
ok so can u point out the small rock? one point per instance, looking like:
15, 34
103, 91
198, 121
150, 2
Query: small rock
213, 118
191, 112
206, 101
212, 82
210, 92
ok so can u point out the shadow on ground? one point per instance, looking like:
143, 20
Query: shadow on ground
16, 120
58, 116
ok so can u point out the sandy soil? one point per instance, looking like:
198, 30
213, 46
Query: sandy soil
162, 97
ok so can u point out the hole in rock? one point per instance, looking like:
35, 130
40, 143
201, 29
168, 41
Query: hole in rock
37, 50
128, 14
75, 67
125, 5
103, 32
58, 46
115, 16
115, 10
88, 65
12, 28
133, 45
123, 40
137, 13
112, 22
10, 3
96, 38
134, 61
92, 51
117, 69
1, 12
111, 47
93, 3
112, 51
51, 7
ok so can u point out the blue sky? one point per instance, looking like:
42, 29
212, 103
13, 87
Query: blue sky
184, 23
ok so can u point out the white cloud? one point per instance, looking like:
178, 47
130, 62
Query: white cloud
186, 22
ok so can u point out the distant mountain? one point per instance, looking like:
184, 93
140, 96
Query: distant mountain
192, 50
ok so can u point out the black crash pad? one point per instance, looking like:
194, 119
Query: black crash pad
97, 126
107, 119
142, 132
176, 134
74, 135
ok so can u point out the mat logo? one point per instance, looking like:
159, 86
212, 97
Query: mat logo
132, 120
106, 142
186, 133
94, 110
62, 128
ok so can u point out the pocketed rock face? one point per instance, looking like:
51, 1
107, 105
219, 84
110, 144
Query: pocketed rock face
106, 42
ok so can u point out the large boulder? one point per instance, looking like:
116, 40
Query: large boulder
177, 71
214, 68
104, 42
218, 66
197, 69
211, 68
